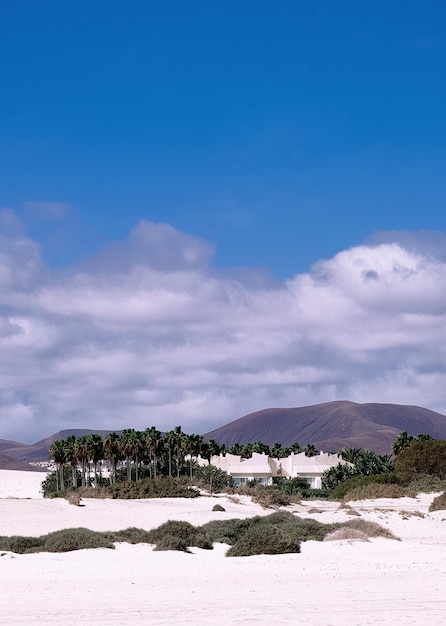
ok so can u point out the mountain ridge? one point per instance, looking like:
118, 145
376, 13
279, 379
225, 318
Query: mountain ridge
329, 426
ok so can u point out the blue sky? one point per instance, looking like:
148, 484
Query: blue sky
267, 136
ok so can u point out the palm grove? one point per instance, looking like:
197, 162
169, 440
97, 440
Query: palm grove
135, 456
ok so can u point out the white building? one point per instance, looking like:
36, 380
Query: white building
263, 469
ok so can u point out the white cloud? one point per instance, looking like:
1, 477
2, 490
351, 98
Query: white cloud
147, 333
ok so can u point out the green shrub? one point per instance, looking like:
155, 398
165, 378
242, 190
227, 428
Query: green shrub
226, 531
438, 503
75, 539
213, 479
259, 539
359, 480
171, 542
162, 487
129, 535
197, 537
21, 545
422, 457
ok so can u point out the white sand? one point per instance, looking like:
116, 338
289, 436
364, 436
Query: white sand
332, 583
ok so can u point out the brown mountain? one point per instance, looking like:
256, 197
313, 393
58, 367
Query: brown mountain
7, 462
333, 425
39, 451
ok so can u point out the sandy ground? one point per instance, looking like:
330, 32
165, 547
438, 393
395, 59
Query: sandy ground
332, 583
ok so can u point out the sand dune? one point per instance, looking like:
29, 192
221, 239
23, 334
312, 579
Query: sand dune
331, 583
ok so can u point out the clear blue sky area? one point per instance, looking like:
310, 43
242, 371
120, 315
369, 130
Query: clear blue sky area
281, 132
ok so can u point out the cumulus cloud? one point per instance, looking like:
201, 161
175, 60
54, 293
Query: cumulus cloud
148, 333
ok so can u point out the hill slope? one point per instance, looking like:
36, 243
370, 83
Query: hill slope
39, 451
332, 425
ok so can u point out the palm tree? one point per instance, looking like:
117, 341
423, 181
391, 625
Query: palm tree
350, 455
95, 453
152, 439
132, 447
192, 446
82, 456
310, 450
58, 453
170, 441
367, 463
179, 441
71, 457
111, 452
402, 441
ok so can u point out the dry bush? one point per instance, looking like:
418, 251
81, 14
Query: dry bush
438, 503
314, 511
346, 533
407, 514
268, 496
377, 490
218, 507
370, 529
74, 498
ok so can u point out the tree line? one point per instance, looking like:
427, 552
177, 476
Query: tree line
147, 453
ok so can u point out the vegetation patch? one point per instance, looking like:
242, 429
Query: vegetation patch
371, 529
269, 496
187, 535
372, 491
258, 540
75, 539
439, 503
345, 533
343, 489
218, 507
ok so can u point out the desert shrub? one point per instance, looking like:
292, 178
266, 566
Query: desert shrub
359, 480
21, 545
427, 484
438, 503
292, 486
193, 536
297, 529
375, 490
162, 487
49, 485
268, 496
370, 529
226, 531
213, 479
73, 498
346, 533
218, 507
299, 487
172, 542
422, 457
129, 535
260, 540
75, 539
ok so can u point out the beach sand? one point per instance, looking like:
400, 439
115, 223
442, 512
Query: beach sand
382, 581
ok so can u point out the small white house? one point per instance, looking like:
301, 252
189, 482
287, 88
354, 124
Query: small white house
311, 468
259, 467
